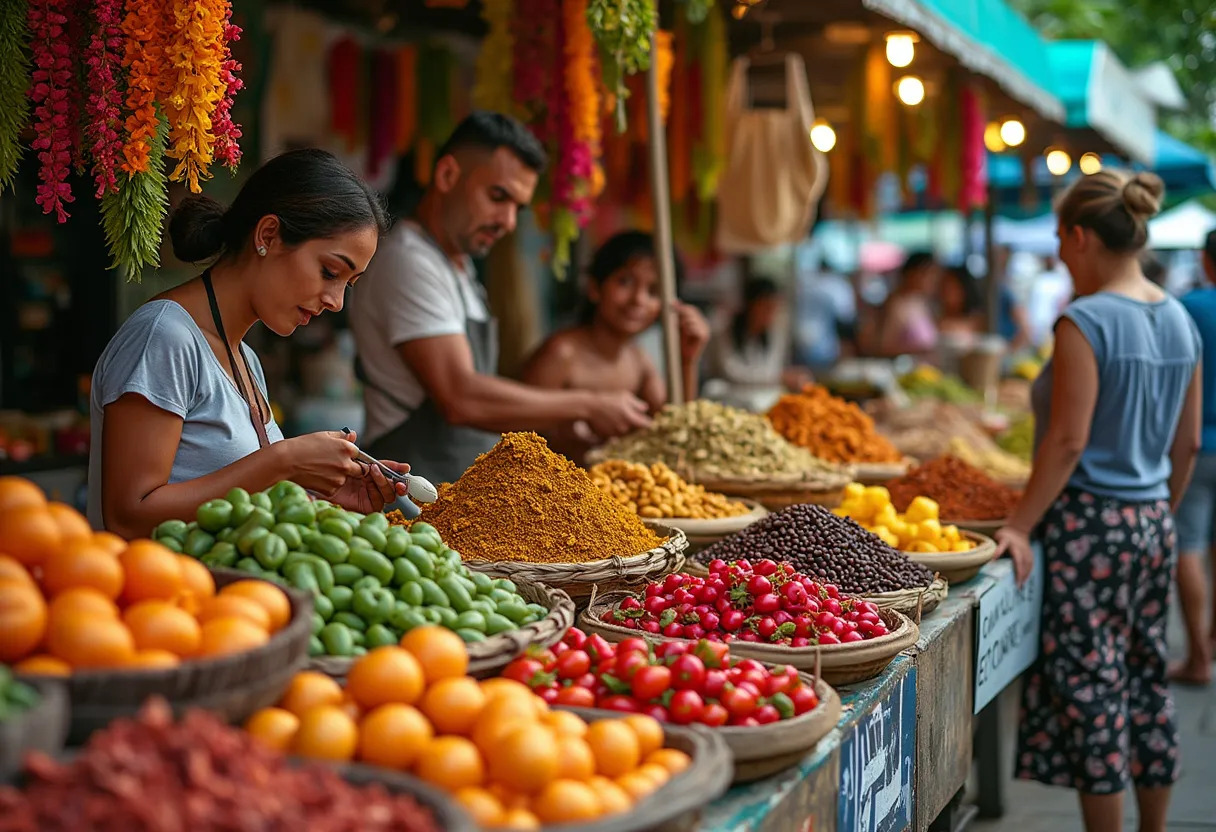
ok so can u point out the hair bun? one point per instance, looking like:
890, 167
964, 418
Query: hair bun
1142, 195
196, 229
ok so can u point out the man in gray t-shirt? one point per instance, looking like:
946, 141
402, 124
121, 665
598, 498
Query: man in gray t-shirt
428, 349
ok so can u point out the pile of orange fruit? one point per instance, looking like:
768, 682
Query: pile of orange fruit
72, 598
493, 744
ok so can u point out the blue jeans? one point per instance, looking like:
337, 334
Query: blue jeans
1197, 510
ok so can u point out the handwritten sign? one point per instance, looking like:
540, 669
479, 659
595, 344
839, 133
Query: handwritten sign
877, 764
1007, 631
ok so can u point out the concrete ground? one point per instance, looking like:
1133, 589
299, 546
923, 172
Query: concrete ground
1031, 807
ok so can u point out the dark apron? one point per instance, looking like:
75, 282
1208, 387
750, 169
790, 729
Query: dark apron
433, 448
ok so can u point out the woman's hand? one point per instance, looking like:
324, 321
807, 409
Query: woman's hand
694, 331
321, 462
370, 492
1016, 544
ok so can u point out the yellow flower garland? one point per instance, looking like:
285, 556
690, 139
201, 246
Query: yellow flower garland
194, 58
494, 86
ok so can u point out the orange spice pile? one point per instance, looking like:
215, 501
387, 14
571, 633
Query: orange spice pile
830, 428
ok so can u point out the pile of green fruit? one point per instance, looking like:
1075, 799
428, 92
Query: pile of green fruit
1019, 438
927, 382
371, 581
15, 697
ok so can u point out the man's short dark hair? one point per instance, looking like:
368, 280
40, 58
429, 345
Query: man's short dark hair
1209, 246
490, 131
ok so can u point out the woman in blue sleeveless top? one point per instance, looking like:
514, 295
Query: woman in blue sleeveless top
1118, 416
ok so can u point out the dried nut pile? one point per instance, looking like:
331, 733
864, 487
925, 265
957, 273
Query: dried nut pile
919, 529
824, 547
656, 491
705, 440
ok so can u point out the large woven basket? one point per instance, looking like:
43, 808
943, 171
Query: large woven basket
840, 664
449, 815
957, 567
704, 533
578, 580
43, 727
776, 493
232, 686
913, 602
488, 657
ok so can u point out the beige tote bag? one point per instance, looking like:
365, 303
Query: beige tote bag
774, 176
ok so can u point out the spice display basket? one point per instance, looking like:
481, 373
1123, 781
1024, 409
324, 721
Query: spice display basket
957, 567
488, 657
982, 527
233, 686
880, 473
449, 815
43, 727
704, 533
840, 664
581, 580
913, 602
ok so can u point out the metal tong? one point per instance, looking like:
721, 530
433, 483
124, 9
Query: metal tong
419, 488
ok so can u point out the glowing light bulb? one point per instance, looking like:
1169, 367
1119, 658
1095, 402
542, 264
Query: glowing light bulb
1058, 162
993, 140
1090, 163
823, 137
1013, 132
901, 48
910, 90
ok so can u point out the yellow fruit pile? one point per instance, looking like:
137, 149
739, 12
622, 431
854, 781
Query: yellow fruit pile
918, 529
493, 744
74, 598
656, 491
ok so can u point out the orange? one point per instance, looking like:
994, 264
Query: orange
234, 606
672, 759
29, 533
158, 625
326, 733
109, 541
84, 599
85, 640
509, 798
43, 665
498, 686
351, 707
519, 819
267, 596
393, 735
223, 636
565, 724
197, 578
386, 674
483, 806
451, 763
497, 716
614, 745
655, 772
525, 758
649, 731
637, 786
152, 570
574, 759
72, 525
23, 619
309, 689
16, 492
613, 799
566, 801
441, 652
154, 658
81, 563
12, 570
453, 705
274, 728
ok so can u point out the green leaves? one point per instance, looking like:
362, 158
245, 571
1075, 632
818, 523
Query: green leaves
14, 81
132, 217
623, 29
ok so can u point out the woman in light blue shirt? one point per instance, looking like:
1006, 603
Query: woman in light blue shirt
1117, 414
177, 417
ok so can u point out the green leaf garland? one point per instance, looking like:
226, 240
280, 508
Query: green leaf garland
132, 216
14, 82
623, 29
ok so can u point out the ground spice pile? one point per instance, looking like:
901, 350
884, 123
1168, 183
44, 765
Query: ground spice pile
830, 428
521, 501
962, 491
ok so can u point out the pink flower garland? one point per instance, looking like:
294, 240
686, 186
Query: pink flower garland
226, 131
50, 93
104, 104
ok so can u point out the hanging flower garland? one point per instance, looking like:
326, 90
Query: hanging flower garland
194, 58
131, 216
142, 58
227, 132
623, 29
103, 106
534, 33
50, 91
493, 89
14, 81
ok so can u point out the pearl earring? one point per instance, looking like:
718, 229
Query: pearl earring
261, 251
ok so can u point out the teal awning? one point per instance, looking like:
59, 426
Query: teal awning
989, 38
1100, 93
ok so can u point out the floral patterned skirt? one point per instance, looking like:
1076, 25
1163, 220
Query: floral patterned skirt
1096, 710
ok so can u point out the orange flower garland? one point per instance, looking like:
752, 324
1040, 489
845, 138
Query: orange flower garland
195, 61
664, 62
142, 58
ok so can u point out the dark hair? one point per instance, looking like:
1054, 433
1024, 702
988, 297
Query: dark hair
1209, 246
755, 290
310, 191
915, 261
971, 291
490, 131
615, 254
1114, 205
1153, 269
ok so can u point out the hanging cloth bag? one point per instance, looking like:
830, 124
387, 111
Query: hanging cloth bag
774, 176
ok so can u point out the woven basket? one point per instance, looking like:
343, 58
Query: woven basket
913, 603
767, 749
43, 727
840, 664
880, 473
232, 686
449, 815
986, 528
579, 580
957, 567
704, 533
777, 493
488, 657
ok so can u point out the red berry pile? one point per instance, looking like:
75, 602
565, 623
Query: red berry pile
763, 602
674, 681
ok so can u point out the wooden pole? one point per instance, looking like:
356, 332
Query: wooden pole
660, 193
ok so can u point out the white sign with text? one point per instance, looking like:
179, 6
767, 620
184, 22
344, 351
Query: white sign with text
1007, 630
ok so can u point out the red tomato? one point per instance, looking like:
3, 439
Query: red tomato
687, 673
526, 671
745, 665
549, 695
575, 637
543, 655
714, 715
804, 699
777, 683
655, 710
598, 647
651, 682
767, 714
572, 664
740, 703
667, 649
712, 654
587, 680
686, 707
627, 665
575, 696
619, 702
759, 678
633, 645
715, 684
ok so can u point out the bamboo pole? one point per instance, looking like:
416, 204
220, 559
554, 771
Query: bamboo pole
660, 193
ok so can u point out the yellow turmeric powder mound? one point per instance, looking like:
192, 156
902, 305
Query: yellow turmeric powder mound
830, 428
521, 501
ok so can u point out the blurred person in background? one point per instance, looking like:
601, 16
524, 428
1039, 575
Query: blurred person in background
1198, 509
752, 348
960, 303
825, 316
907, 324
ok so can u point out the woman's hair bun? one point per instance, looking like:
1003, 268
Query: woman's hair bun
196, 229
1142, 195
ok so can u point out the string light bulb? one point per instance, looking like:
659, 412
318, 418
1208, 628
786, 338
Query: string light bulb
1058, 161
901, 48
1090, 163
993, 140
1013, 132
823, 137
910, 90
